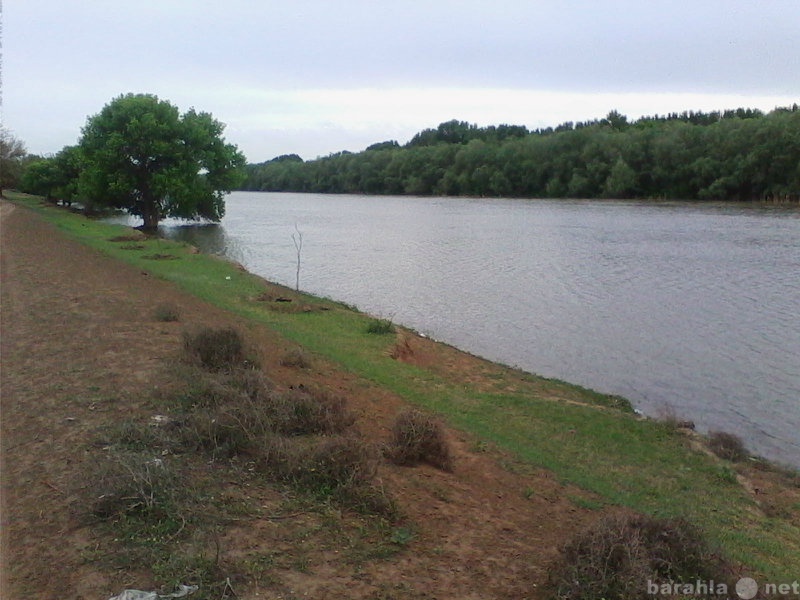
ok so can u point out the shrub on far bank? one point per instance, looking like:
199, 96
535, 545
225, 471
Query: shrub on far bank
621, 554
418, 438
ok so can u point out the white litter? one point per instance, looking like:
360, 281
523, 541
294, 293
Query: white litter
183, 590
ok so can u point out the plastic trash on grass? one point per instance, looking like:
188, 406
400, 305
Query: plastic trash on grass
183, 590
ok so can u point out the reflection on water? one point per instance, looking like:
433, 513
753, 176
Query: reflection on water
679, 307
209, 237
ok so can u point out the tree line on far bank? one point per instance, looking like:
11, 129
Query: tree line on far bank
740, 154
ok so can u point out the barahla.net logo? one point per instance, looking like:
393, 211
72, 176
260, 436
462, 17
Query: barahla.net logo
746, 588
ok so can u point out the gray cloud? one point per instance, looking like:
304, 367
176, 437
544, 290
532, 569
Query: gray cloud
63, 60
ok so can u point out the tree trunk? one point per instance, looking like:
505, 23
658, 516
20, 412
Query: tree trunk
150, 215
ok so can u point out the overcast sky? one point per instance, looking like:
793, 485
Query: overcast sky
313, 77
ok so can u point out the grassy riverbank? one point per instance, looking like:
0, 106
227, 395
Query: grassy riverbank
584, 438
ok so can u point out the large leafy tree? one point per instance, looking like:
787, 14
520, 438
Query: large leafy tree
140, 154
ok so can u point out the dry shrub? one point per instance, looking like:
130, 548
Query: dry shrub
302, 411
323, 464
670, 419
617, 556
216, 349
296, 358
222, 434
727, 446
131, 484
417, 438
218, 389
228, 414
340, 467
338, 462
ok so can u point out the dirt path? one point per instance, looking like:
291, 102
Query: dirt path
80, 349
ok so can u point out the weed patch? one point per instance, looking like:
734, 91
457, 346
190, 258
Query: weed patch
167, 313
380, 326
341, 468
134, 484
305, 412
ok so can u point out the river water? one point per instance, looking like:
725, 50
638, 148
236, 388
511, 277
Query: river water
685, 309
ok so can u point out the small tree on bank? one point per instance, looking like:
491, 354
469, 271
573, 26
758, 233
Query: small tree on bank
12, 151
141, 155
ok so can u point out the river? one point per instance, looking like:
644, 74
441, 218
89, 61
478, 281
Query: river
685, 309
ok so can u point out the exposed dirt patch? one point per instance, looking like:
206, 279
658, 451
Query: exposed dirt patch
159, 256
82, 350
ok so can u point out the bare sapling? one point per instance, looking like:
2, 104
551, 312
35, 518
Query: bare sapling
297, 238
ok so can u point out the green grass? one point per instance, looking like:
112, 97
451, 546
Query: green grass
585, 438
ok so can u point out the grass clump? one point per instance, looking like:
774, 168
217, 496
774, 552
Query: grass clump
296, 358
617, 556
417, 438
727, 446
167, 313
216, 349
380, 326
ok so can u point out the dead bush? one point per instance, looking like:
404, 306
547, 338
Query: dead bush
417, 438
335, 463
617, 556
229, 416
133, 484
221, 434
322, 464
216, 349
727, 446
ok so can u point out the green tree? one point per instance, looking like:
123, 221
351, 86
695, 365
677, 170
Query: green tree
621, 180
141, 155
55, 177
12, 152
